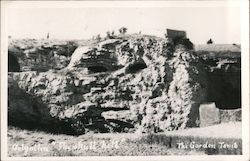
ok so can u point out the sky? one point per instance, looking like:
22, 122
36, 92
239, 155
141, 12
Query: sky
222, 24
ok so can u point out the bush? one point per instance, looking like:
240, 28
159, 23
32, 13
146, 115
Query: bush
123, 30
210, 41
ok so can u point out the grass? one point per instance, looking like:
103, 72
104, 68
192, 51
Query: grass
85, 145
211, 140
209, 145
218, 47
126, 144
216, 51
230, 130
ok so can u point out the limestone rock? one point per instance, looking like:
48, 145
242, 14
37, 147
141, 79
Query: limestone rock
228, 115
209, 114
97, 59
40, 55
125, 84
26, 110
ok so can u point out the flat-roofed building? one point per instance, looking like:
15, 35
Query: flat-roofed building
176, 34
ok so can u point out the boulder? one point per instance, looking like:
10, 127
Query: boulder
209, 114
96, 59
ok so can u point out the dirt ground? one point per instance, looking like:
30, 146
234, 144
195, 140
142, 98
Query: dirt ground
36, 143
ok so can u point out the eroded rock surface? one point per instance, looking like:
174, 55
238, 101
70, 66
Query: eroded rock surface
40, 55
126, 84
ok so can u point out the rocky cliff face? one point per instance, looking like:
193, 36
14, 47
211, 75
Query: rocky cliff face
126, 84
39, 55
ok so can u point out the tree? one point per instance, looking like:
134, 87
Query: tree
123, 30
98, 38
108, 35
210, 41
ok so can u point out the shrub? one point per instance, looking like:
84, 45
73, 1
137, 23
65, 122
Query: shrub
210, 41
123, 30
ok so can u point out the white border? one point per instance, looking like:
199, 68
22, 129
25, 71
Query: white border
131, 4
120, 4
245, 75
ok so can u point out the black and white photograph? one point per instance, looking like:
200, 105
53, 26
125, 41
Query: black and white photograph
124, 79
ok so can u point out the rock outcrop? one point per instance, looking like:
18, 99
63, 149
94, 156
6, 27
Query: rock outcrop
39, 55
125, 84
101, 58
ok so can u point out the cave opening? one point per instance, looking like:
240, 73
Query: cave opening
136, 67
97, 69
13, 65
225, 89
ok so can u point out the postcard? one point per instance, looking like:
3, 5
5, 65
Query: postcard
127, 80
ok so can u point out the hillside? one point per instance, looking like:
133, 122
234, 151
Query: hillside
219, 50
124, 84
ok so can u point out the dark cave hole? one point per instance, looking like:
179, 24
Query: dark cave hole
225, 89
97, 69
13, 65
229, 99
136, 67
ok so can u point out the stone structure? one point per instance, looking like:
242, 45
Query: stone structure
209, 114
176, 34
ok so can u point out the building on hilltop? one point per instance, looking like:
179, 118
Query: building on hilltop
175, 34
